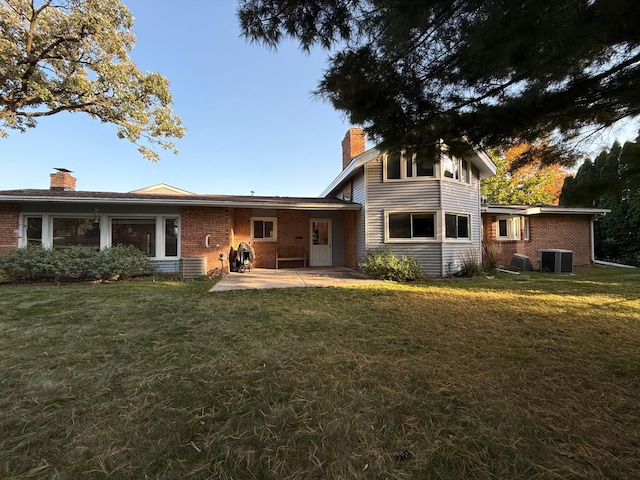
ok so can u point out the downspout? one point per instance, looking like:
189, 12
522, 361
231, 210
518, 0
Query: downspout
441, 226
593, 240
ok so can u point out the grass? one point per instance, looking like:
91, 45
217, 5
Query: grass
535, 376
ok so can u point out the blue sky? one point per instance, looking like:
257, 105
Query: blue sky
252, 122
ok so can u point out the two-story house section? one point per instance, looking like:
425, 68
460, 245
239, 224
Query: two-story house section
430, 212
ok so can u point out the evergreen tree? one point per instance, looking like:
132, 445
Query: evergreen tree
496, 72
611, 181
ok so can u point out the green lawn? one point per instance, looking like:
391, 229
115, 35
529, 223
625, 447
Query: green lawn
533, 376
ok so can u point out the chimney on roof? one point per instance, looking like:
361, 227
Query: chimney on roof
62, 180
353, 145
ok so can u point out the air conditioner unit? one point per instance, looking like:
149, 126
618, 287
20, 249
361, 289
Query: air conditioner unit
193, 267
555, 260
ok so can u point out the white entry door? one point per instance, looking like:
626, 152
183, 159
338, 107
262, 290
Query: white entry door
320, 253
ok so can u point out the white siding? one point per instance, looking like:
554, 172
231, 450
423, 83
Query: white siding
422, 195
359, 196
439, 257
465, 199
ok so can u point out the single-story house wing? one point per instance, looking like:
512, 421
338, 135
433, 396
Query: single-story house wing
170, 224
528, 229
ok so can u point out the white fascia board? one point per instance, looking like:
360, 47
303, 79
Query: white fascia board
186, 202
529, 211
504, 210
354, 165
566, 211
486, 166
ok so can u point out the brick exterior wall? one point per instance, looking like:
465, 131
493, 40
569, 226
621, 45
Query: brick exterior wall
8, 225
196, 224
353, 145
292, 231
568, 232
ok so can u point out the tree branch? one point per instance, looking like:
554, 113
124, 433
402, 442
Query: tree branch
76, 107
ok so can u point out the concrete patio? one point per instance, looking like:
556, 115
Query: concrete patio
293, 278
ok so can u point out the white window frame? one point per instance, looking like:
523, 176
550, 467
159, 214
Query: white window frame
467, 239
23, 234
54, 216
403, 170
105, 229
436, 223
513, 228
177, 226
457, 169
273, 238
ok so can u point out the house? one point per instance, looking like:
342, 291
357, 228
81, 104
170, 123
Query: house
171, 225
526, 230
431, 211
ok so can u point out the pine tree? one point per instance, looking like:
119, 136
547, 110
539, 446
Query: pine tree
611, 181
495, 72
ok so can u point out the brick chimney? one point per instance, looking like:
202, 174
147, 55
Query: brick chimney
353, 145
62, 180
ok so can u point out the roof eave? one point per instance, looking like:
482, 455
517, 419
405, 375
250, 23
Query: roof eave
186, 202
568, 211
528, 211
486, 167
351, 169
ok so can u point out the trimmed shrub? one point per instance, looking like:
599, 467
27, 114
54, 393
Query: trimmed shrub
37, 264
121, 262
75, 263
383, 264
31, 264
